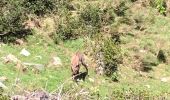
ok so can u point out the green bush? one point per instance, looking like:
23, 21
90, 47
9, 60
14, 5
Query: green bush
11, 18
121, 8
91, 16
13, 14
148, 62
89, 22
159, 4
42, 7
96, 17
107, 16
112, 56
161, 56
67, 29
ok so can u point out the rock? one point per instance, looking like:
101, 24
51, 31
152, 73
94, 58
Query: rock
148, 86
19, 41
36, 66
91, 80
142, 51
18, 97
2, 85
38, 95
10, 58
39, 57
165, 79
3, 79
24, 52
55, 61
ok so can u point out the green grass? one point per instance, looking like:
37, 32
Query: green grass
50, 78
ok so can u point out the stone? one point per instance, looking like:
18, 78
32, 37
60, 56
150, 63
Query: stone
25, 52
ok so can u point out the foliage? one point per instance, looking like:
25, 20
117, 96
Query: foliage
89, 22
107, 16
121, 8
160, 5
2, 96
13, 14
11, 18
112, 56
42, 7
148, 62
67, 29
161, 9
91, 16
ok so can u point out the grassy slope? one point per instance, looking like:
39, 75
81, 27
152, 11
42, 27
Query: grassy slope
155, 37
37, 48
51, 78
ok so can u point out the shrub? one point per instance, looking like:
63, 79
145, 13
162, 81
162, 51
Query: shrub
107, 55
112, 56
89, 22
13, 14
160, 5
11, 19
148, 62
42, 7
91, 16
107, 16
67, 29
161, 56
96, 17
121, 8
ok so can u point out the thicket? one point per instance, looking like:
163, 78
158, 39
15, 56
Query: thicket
13, 14
11, 17
90, 19
112, 58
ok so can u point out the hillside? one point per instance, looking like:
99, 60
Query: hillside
126, 41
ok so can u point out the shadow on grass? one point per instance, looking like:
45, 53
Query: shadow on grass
81, 76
